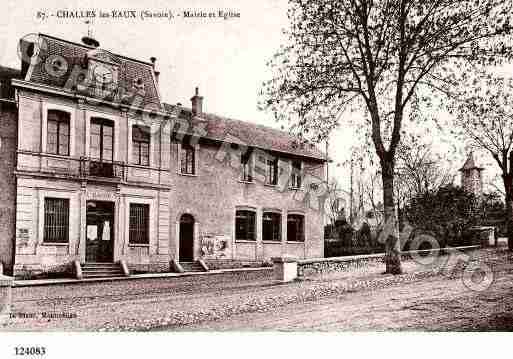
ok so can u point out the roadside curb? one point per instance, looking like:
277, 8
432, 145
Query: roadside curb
49, 282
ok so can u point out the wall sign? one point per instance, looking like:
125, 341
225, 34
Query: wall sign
101, 196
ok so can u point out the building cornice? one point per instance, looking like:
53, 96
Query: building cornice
28, 85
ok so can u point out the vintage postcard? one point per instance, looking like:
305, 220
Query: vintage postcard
298, 166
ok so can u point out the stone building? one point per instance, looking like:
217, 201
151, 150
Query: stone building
472, 177
96, 169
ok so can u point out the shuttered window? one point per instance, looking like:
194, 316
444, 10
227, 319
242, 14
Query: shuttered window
139, 224
56, 220
245, 225
57, 139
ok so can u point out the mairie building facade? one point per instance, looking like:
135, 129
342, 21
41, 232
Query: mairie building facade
96, 168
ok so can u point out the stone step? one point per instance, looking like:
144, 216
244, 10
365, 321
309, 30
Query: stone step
102, 275
96, 270
106, 270
192, 267
100, 264
102, 267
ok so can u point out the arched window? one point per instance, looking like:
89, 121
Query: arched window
57, 142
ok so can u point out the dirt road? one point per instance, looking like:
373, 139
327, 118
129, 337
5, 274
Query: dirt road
436, 304
422, 299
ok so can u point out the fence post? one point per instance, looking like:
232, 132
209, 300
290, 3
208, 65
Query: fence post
284, 269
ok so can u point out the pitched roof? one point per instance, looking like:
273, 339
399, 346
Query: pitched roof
235, 131
470, 164
130, 70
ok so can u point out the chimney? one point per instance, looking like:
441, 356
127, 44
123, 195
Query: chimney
90, 41
155, 72
197, 103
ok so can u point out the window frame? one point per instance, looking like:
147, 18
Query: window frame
296, 174
59, 121
103, 122
63, 223
271, 170
138, 227
298, 238
276, 235
137, 145
186, 147
246, 162
250, 217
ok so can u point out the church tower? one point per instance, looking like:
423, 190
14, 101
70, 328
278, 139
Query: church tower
471, 177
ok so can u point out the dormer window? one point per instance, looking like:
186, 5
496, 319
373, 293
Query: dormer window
103, 72
103, 76
138, 84
58, 66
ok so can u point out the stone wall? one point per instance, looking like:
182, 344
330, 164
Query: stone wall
351, 263
8, 143
234, 264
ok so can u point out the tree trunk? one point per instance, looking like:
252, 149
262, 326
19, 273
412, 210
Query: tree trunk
392, 242
508, 188
509, 222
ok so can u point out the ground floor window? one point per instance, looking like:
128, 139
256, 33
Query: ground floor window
295, 228
245, 225
139, 224
271, 226
56, 220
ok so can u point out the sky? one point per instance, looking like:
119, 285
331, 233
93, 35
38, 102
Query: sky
226, 59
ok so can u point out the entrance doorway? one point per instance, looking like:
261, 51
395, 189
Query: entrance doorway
186, 238
100, 231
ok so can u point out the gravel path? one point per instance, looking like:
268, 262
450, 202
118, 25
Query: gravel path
350, 300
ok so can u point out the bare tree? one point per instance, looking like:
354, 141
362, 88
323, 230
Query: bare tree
483, 108
335, 202
377, 55
420, 170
